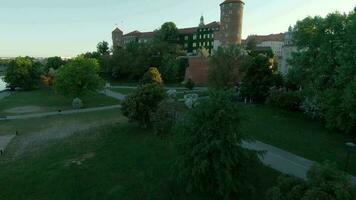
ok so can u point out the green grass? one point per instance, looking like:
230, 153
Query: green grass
119, 162
47, 100
296, 133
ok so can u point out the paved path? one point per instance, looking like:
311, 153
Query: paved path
284, 161
67, 112
112, 94
4, 141
4, 94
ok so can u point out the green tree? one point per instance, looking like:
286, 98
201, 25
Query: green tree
251, 44
54, 63
168, 33
224, 67
210, 156
143, 104
78, 78
325, 65
23, 72
257, 79
169, 68
103, 48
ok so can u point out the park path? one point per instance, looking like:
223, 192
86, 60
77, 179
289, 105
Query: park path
284, 161
4, 141
112, 94
67, 112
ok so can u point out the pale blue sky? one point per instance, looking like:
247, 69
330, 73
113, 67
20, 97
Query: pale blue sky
70, 27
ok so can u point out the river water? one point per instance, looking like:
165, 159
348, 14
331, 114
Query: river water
2, 84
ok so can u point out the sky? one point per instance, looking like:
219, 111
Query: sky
43, 28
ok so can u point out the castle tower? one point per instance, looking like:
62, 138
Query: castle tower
231, 21
201, 24
117, 38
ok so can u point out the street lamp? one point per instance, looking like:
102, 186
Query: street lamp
350, 146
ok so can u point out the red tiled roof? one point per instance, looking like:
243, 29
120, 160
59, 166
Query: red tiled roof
133, 33
212, 24
188, 30
263, 38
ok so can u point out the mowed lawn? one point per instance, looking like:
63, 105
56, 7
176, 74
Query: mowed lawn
296, 133
46, 100
117, 162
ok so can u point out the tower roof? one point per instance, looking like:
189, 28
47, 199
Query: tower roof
232, 1
117, 30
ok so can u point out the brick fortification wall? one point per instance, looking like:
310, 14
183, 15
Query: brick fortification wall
198, 70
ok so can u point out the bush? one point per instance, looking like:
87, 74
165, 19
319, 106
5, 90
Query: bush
324, 182
77, 103
210, 156
152, 76
285, 100
312, 108
143, 103
189, 84
165, 117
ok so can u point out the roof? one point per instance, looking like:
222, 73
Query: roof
263, 38
134, 34
232, 1
212, 24
117, 30
188, 30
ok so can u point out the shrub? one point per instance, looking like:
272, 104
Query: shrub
210, 156
312, 108
143, 103
164, 118
152, 76
77, 103
324, 182
285, 100
189, 84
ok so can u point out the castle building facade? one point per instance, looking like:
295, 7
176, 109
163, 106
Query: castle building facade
208, 36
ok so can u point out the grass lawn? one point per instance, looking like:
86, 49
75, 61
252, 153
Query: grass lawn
296, 133
46, 100
124, 91
116, 162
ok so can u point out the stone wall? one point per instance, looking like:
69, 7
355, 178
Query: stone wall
198, 70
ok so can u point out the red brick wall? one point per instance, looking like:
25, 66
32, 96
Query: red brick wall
198, 70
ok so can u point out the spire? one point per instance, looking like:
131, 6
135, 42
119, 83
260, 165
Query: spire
201, 21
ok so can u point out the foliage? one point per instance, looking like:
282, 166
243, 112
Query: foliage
325, 65
312, 108
289, 100
23, 72
143, 103
278, 80
103, 48
168, 33
211, 158
251, 44
324, 182
78, 77
152, 76
165, 117
257, 78
203, 52
189, 84
77, 103
224, 67
169, 68
54, 63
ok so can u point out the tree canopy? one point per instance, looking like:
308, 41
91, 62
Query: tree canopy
78, 77
103, 48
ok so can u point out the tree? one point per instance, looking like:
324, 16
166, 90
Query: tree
54, 63
78, 78
203, 52
103, 48
152, 76
224, 67
169, 68
251, 44
257, 79
324, 182
210, 156
23, 72
168, 33
324, 66
143, 103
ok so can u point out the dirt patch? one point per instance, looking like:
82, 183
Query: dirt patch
24, 109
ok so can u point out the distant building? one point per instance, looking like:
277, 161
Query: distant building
273, 41
288, 49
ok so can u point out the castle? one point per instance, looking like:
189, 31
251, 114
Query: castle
209, 36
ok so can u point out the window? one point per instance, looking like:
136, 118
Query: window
194, 37
186, 37
194, 44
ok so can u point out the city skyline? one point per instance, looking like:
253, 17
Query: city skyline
41, 28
